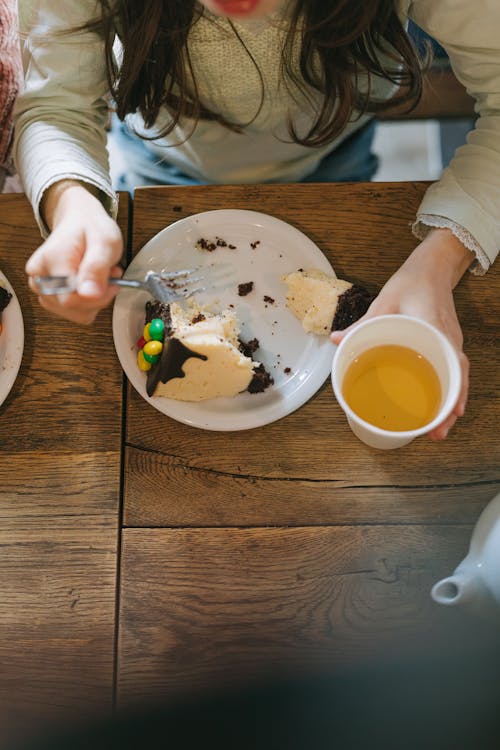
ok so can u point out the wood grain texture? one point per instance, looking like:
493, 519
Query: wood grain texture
231, 605
60, 453
64, 365
308, 467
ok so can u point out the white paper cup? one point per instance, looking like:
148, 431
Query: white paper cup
402, 330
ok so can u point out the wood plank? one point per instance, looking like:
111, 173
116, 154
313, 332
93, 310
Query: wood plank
200, 607
163, 490
60, 460
308, 467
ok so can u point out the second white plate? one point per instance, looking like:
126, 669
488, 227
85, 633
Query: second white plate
11, 341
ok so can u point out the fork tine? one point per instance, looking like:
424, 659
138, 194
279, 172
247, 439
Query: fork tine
177, 274
167, 295
167, 276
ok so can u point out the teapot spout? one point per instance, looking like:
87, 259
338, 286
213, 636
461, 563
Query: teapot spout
457, 589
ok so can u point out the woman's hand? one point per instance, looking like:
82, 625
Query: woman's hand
84, 242
423, 287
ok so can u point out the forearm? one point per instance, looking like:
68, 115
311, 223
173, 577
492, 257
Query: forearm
441, 255
60, 195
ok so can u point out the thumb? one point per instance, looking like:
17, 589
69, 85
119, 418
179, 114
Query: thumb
100, 258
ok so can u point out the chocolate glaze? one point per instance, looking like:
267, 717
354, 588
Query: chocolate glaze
5, 298
169, 366
351, 306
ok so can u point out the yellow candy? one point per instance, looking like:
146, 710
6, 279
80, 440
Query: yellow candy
143, 365
145, 333
153, 348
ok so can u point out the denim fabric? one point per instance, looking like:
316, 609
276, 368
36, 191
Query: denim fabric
352, 161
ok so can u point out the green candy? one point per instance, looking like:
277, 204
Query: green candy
151, 358
156, 329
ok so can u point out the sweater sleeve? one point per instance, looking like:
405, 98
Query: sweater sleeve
468, 193
60, 115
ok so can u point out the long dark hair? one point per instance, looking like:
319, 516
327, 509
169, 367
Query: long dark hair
348, 38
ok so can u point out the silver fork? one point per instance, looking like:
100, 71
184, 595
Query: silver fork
165, 287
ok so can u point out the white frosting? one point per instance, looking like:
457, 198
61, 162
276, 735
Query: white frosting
225, 372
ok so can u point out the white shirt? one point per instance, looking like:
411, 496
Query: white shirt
60, 114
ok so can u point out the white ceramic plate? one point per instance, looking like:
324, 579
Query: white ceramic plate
283, 343
11, 341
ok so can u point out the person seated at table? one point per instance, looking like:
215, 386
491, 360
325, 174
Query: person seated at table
10, 76
249, 91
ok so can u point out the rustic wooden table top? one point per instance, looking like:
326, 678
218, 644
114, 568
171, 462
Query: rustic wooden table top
141, 557
295, 540
60, 449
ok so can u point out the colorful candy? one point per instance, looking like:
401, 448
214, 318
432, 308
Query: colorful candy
150, 344
146, 335
153, 348
157, 329
143, 364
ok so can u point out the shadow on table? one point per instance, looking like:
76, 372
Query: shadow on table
446, 703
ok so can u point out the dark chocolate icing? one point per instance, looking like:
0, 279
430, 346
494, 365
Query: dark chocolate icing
351, 306
5, 298
169, 366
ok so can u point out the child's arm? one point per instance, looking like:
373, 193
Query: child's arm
84, 241
467, 196
423, 287
60, 151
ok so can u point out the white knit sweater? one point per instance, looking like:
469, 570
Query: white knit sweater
61, 113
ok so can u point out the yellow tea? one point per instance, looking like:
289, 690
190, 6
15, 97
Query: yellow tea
392, 387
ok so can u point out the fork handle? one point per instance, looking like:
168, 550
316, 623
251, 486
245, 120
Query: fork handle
49, 285
126, 282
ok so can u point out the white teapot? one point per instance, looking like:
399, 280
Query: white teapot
476, 581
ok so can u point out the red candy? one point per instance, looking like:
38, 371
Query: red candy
140, 342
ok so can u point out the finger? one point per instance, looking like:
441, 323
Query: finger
73, 307
59, 255
100, 257
76, 314
464, 390
116, 272
36, 265
441, 431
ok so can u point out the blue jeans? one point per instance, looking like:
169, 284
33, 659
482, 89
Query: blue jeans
352, 161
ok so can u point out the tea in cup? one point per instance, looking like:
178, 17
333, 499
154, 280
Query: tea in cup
396, 377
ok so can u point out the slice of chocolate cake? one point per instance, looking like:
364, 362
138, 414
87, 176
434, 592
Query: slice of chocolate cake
324, 303
192, 355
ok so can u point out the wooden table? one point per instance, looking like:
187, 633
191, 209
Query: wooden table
295, 542
60, 455
228, 555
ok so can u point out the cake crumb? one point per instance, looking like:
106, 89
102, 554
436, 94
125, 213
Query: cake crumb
245, 288
211, 245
